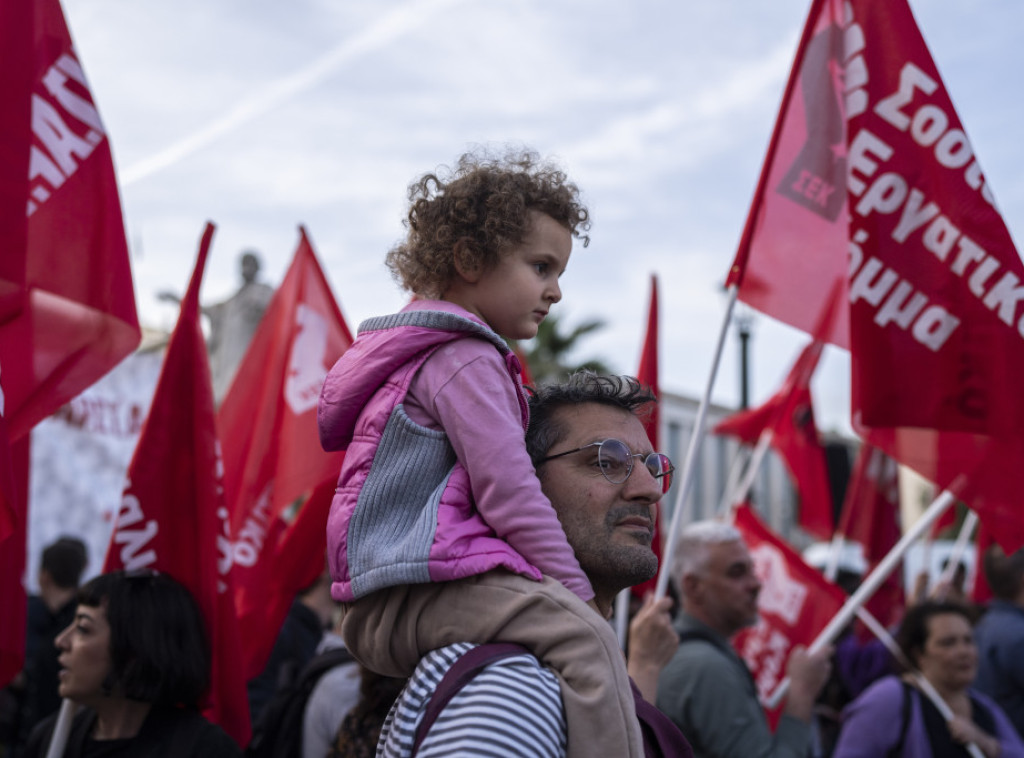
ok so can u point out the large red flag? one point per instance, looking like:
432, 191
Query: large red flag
172, 516
871, 516
67, 306
870, 181
789, 415
795, 604
272, 453
647, 373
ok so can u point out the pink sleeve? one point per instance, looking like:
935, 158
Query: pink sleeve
465, 388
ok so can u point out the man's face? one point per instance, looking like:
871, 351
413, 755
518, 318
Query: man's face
609, 526
726, 591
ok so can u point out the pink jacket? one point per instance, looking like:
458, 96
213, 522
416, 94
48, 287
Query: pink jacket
404, 510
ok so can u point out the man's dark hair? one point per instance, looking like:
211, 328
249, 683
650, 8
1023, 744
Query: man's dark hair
545, 431
1004, 572
159, 651
913, 632
65, 560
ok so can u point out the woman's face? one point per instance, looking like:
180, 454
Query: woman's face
949, 658
84, 655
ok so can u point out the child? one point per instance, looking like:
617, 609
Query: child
439, 528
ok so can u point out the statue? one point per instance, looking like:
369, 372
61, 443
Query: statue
233, 323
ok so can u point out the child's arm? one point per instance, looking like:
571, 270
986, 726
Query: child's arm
466, 388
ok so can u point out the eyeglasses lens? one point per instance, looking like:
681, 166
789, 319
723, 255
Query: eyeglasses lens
615, 461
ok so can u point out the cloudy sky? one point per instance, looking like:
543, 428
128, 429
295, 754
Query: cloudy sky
261, 116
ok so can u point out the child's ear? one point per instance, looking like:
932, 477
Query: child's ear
464, 258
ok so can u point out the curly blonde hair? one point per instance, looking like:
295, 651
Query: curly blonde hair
473, 213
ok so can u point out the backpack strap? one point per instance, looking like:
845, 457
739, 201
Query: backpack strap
897, 750
458, 676
706, 636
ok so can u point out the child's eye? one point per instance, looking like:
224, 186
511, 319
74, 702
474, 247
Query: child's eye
540, 268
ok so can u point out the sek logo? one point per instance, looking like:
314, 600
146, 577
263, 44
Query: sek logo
780, 595
306, 369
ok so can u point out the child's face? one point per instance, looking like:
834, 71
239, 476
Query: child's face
515, 296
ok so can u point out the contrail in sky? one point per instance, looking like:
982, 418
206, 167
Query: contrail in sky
385, 31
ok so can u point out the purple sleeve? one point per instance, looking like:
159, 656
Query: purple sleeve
466, 389
872, 722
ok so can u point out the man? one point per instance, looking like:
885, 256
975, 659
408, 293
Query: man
514, 707
706, 689
49, 613
1000, 634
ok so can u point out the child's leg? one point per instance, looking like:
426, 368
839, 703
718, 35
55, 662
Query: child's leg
391, 630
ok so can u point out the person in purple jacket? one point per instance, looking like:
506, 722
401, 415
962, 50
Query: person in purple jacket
439, 531
894, 718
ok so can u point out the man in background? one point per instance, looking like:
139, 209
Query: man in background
49, 613
1000, 634
707, 689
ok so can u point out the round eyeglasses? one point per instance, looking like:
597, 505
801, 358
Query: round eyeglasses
616, 462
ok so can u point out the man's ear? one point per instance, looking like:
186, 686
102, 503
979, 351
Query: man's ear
691, 587
464, 258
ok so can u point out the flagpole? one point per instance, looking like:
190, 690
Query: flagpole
736, 470
622, 616
753, 466
871, 583
959, 547
62, 729
690, 465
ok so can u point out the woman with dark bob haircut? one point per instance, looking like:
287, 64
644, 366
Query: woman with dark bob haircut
137, 662
892, 718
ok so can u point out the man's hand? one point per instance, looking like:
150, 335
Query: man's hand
652, 642
807, 674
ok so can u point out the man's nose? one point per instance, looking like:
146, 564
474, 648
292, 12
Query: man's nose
642, 485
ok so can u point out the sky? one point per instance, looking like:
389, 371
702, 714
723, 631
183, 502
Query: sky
260, 116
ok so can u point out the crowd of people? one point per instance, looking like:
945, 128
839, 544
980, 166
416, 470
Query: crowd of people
478, 540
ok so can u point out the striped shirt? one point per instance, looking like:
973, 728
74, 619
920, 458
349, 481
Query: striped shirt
513, 707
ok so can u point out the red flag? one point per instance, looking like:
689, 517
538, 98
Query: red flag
67, 307
12, 562
789, 415
647, 373
871, 516
870, 181
272, 452
795, 605
172, 516
527, 377
292, 556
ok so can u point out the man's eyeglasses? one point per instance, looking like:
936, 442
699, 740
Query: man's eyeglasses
616, 462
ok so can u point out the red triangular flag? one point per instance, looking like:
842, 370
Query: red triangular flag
272, 453
789, 415
795, 605
871, 516
647, 373
172, 516
870, 179
67, 307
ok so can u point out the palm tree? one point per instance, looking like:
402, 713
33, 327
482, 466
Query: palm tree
546, 354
